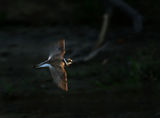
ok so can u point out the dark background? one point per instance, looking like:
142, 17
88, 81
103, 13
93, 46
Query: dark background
120, 82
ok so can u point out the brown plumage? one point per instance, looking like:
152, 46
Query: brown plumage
56, 63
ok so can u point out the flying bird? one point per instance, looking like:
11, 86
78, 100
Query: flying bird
56, 63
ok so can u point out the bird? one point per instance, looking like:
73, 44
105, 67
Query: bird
56, 64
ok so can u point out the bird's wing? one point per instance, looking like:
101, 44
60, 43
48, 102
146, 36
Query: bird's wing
58, 51
60, 76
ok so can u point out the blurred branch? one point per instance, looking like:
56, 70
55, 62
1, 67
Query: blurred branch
95, 52
91, 55
103, 30
132, 13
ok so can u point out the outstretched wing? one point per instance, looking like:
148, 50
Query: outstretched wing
58, 51
59, 75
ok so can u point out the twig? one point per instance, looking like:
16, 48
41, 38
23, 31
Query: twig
91, 55
103, 30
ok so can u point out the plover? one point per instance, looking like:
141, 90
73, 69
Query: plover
56, 63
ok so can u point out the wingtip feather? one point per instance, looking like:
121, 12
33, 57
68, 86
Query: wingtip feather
63, 85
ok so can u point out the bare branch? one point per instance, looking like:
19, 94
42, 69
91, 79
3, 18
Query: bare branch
91, 55
132, 13
103, 30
